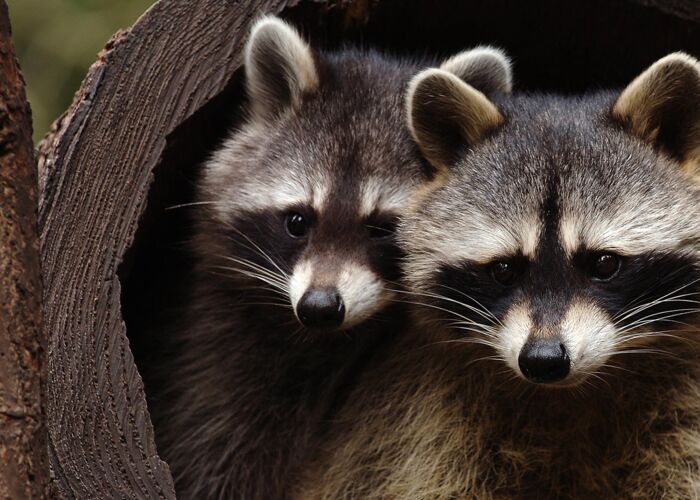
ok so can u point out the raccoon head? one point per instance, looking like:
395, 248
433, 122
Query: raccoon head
303, 199
567, 233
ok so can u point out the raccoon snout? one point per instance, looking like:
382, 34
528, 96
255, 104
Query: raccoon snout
321, 308
544, 361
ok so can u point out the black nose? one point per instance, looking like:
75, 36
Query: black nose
321, 308
544, 360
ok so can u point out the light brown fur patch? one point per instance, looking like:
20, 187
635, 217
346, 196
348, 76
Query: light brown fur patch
433, 422
440, 106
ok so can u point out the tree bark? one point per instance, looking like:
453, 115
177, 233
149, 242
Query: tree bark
95, 168
23, 453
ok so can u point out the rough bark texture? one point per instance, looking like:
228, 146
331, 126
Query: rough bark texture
23, 461
96, 167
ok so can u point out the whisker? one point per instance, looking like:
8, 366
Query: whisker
645, 292
474, 328
282, 287
256, 267
485, 309
643, 307
193, 204
626, 310
466, 341
668, 318
258, 248
448, 299
433, 306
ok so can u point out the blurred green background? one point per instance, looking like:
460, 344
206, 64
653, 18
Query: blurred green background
57, 41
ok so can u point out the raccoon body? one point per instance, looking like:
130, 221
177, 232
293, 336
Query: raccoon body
427, 425
296, 261
558, 274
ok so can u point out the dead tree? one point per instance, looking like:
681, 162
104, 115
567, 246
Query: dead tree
23, 458
157, 100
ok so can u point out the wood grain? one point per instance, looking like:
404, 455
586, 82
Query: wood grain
96, 168
23, 458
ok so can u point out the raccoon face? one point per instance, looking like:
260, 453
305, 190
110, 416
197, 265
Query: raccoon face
567, 233
302, 202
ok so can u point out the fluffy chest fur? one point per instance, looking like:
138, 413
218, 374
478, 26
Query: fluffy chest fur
556, 271
429, 424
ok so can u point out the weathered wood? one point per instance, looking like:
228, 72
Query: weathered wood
95, 171
23, 458
97, 165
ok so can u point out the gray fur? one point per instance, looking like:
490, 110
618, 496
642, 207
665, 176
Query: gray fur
248, 385
249, 390
487, 69
446, 413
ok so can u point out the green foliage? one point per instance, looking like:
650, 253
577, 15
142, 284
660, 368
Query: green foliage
57, 41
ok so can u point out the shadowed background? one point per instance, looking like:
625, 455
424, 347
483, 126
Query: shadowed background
57, 40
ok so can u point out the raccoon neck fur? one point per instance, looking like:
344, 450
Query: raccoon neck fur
257, 401
444, 421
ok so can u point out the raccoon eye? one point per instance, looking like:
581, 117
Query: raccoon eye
297, 225
505, 273
381, 229
605, 266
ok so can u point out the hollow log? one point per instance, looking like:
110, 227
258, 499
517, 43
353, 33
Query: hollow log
158, 99
684, 9
23, 458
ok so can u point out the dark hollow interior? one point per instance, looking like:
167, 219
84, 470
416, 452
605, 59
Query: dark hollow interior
561, 46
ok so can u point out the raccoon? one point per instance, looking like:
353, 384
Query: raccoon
557, 270
296, 260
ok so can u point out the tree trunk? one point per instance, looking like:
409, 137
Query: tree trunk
96, 167
23, 461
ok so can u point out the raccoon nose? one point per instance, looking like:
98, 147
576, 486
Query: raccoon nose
321, 308
544, 360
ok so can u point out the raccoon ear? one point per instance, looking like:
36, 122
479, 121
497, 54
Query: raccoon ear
446, 115
662, 106
280, 68
487, 69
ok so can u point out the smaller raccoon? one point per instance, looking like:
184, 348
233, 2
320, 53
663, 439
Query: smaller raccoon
558, 348
294, 244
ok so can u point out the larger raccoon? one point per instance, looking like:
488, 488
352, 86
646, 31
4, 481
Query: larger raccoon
294, 242
559, 270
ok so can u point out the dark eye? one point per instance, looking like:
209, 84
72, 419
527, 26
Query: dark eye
505, 273
297, 225
379, 229
605, 266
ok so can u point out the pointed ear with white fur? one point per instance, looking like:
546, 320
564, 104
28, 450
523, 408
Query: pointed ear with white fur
662, 107
487, 69
280, 68
447, 116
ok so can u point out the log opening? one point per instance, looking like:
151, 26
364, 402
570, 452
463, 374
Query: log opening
136, 241
552, 52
